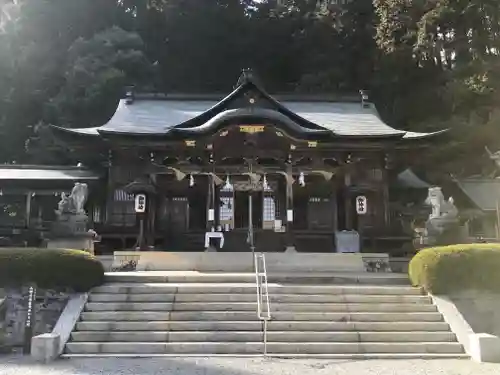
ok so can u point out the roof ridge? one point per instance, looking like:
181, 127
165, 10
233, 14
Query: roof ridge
334, 98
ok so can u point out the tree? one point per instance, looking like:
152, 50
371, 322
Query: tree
429, 64
443, 57
34, 43
96, 71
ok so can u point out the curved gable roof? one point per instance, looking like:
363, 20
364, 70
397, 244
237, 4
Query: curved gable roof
159, 117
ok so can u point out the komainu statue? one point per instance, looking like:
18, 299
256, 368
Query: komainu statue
74, 203
444, 213
70, 230
79, 195
65, 205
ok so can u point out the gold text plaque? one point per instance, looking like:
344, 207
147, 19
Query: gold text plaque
252, 128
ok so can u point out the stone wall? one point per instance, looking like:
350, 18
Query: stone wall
480, 309
48, 307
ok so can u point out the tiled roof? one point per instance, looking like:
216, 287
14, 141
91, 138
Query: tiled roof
347, 119
160, 116
484, 193
409, 179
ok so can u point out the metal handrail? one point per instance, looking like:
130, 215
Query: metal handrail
263, 306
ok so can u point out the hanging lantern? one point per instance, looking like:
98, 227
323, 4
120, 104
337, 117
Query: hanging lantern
265, 185
302, 179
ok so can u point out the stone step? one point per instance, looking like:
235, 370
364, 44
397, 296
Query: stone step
256, 336
342, 279
344, 357
273, 277
365, 347
318, 326
252, 306
254, 325
249, 288
285, 298
249, 316
177, 315
257, 348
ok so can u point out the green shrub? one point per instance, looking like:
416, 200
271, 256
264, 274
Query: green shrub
50, 268
445, 269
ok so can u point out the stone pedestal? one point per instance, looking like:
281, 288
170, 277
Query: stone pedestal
69, 224
484, 347
45, 348
70, 232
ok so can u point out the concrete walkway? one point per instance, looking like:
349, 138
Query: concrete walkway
374, 275
243, 366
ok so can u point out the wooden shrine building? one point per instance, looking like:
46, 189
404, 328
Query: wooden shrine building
200, 160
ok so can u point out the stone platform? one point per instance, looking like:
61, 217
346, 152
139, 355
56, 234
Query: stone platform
274, 278
243, 261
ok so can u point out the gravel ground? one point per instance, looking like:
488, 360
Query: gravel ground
243, 366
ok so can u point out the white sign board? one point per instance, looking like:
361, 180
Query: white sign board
140, 203
361, 205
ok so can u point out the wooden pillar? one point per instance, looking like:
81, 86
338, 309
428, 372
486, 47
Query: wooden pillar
334, 203
28, 209
150, 234
216, 206
385, 198
348, 201
210, 203
290, 214
110, 191
165, 202
154, 179
385, 192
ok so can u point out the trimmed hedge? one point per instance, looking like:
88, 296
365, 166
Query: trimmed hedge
50, 269
445, 269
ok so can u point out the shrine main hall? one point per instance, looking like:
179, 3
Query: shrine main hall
301, 171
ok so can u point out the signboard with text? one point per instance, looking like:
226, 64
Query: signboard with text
361, 205
140, 203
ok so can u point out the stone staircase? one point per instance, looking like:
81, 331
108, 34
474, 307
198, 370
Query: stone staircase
153, 314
